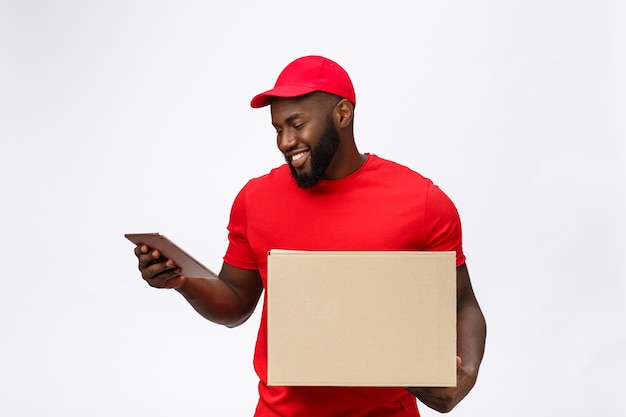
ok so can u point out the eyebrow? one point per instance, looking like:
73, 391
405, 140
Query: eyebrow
291, 118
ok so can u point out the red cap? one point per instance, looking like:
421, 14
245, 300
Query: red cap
306, 75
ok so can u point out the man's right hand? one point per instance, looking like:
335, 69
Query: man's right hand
156, 270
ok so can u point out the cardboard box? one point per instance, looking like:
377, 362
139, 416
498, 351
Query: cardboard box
361, 318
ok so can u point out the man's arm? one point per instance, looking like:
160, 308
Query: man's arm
471, 334
227, 299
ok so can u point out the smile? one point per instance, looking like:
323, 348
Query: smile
298, 159
298, 156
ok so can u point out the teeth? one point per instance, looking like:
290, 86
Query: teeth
298, 156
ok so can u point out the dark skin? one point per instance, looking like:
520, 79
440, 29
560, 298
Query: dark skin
471, 334
230, 298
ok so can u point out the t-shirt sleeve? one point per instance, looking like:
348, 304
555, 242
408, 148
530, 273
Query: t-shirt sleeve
239, 252
442, 224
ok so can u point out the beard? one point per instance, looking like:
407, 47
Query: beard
321, 157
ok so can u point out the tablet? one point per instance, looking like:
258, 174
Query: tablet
190, 266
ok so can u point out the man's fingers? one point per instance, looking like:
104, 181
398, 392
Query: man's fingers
157, 270
144, 249
140, 250
458, 361
161, 276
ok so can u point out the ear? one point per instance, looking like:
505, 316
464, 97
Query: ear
343, 114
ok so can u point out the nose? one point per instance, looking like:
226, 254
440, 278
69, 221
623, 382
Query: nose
286, 140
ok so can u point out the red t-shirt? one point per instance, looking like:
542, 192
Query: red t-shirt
382, 206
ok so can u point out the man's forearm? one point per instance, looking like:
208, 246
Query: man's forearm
214, 300
471, 335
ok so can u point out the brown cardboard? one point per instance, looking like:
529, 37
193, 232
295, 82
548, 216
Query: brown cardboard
361, 318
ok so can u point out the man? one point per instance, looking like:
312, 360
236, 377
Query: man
328, 196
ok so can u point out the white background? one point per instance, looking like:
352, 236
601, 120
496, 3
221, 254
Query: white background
133, 116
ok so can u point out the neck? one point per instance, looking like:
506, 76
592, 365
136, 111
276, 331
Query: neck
347, 161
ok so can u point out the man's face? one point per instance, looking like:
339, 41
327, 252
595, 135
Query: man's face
321, 155
307, 138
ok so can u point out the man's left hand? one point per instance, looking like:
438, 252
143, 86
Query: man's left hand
444, 399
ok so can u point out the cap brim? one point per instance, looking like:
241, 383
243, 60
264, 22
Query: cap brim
263, 99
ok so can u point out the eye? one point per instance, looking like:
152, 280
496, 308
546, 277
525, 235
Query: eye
299, 126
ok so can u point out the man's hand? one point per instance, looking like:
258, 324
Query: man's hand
444, 399
156, 270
